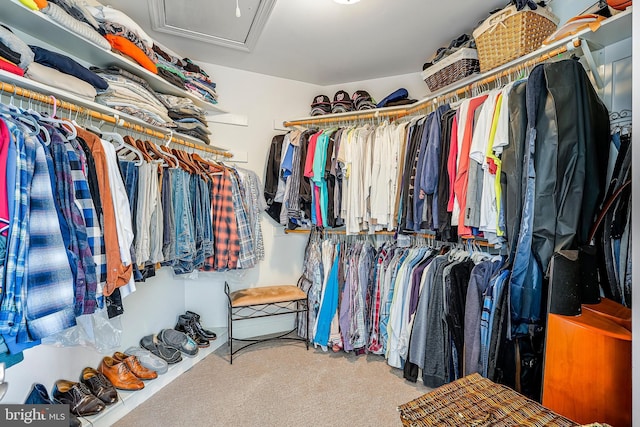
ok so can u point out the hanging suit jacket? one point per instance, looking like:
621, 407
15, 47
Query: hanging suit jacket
571, 157
272, 175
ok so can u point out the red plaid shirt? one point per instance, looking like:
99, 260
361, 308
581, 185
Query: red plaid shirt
226, 242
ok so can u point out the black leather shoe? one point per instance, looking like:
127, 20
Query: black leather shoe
40, 396
78, 397
210, 335
99, 385
185, 325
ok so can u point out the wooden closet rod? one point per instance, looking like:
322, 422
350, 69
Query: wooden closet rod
426, 103
46, 99
348, 118
482, 243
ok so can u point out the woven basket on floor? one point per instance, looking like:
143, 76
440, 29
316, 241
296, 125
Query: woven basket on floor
454, 67
476, 401
510, 34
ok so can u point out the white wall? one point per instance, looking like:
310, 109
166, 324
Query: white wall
262, 100
380, 88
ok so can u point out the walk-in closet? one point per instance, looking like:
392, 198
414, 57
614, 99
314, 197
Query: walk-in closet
318, 213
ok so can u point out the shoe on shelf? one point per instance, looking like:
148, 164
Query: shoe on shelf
158, 348
134, 366
119, 374
40, 396
186, 325
210, 335
179, 341
148, 359
99, 385
80, 400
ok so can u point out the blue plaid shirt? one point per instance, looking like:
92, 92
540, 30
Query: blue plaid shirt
12, 306
247, 257
49, 283
64, 189
95, 238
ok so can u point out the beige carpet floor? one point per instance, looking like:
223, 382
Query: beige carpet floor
280, 384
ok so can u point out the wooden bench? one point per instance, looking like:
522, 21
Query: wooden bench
267, 301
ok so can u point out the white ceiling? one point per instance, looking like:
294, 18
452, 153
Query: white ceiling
322, 42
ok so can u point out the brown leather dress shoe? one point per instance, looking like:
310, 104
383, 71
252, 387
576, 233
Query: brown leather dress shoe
119, 374
134, 366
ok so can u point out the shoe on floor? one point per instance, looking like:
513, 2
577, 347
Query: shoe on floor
159, 349
80, 400
119, 374
148, 359
210, 335
186, 326
99, 385
179, 341
135, 367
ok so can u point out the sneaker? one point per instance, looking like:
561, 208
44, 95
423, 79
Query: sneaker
148, 359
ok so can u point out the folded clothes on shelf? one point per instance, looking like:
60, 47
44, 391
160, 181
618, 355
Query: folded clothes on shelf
168, 57
396, 95
58, 15
11, 67
79, 11
132, 98
137, 79
117, 29
67, 65
52, 77
171, 77
129, 49
108, 13
13, 49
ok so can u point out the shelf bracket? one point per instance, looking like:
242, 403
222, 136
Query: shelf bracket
588, 56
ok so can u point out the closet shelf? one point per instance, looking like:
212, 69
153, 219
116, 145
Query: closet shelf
11, 84
612, 30
129, 400
39, 25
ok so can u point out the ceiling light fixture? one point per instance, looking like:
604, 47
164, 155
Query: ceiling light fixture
346, 1
238, 14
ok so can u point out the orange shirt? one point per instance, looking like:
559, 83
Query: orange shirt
127, 47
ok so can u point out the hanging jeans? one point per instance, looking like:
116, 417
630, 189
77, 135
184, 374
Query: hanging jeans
185, 239
130, 178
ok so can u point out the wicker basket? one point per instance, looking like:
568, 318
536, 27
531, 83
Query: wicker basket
510, 34
454, 67
476, 401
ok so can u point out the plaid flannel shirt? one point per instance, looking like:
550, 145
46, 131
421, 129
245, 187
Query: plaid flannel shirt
226, 245
247, 256
64, 192
49, 286
84, 201
12, 306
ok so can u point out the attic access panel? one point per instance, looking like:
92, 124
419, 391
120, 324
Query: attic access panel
213, 22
